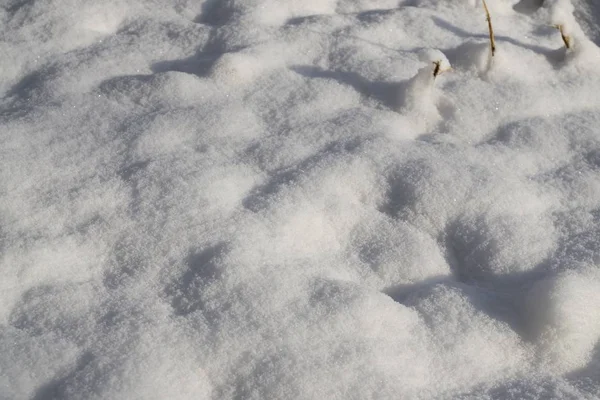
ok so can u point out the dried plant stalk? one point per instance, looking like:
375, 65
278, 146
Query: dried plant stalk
565, 38
490, 28
437, 69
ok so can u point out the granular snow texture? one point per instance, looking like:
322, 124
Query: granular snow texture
276, 199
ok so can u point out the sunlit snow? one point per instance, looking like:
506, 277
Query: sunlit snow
276, 199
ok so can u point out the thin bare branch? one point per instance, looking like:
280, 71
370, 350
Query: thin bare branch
490, 28
437, 69
565, 38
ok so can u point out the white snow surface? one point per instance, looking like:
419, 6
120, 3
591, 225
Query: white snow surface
275, 199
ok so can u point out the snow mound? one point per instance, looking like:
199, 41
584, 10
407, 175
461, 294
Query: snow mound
565, 319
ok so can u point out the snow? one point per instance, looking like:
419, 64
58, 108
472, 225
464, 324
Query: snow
260, 199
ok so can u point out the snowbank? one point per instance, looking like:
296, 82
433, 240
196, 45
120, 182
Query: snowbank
261, 199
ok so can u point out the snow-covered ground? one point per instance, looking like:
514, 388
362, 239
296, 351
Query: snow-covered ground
275, 199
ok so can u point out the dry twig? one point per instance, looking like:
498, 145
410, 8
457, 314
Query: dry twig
566, 39
437, 69
490, 28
